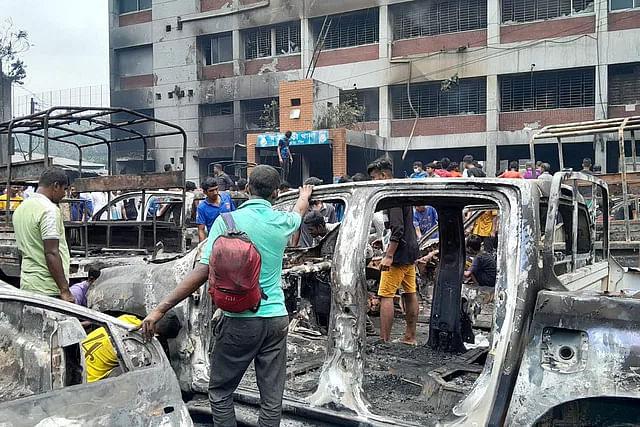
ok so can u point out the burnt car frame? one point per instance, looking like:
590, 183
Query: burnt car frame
537, 274
44, 376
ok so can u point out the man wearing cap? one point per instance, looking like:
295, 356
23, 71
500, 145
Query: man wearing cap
224, 181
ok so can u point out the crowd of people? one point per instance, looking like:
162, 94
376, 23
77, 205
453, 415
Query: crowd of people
258, 335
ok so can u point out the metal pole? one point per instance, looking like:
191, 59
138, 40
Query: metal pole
9, 144
560, 155
633, 149
623, 170
574, 228
33, 110
46, 140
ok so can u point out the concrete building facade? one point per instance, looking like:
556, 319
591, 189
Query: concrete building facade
482, 75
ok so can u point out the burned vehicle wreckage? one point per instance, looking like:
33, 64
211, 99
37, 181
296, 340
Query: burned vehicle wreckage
560, 339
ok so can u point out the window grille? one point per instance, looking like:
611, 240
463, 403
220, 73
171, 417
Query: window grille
219, 109
468, 97
127, 6
287, 38
624, 84
369, 98
548, 90
624, 4
257, 43
217, 48
430, 18
533, 10
349, 29
253, 111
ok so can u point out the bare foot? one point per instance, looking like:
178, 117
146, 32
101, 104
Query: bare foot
407, 341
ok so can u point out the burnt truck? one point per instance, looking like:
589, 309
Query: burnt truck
562, 341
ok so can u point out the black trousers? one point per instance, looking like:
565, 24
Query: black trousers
286, 167
238, 342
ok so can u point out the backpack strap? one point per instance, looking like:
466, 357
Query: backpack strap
229, 222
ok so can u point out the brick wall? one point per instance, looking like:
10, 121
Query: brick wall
252, 144
217, 71
136, 82
338, 139
440, 125
547, 29
276, 63
437, 43
348, 55
620, 111
624, 20
206, 5
134, 18
302, 89
538, 119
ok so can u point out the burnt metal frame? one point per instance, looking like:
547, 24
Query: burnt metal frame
60, 117
595, 128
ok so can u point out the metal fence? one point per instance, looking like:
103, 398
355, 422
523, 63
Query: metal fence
88, 96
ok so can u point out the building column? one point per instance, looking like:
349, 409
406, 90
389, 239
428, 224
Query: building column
493, 22
252, 148
238, 122
493, 124
338, 139
601, 55
307, 42
386, 33
384, 113
236, 44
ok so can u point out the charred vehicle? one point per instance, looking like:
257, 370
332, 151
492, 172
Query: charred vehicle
43, 377
561, 338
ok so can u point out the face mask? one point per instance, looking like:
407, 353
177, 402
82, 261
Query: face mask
416, 170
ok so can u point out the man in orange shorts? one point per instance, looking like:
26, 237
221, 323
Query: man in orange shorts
398, 264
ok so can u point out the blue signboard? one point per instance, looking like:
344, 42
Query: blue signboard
311, 137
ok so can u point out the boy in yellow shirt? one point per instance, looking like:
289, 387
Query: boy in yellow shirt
100, 357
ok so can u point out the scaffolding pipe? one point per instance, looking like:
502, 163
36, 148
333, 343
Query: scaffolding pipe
623, 171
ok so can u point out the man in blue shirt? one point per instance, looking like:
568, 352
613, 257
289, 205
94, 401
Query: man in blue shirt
243, 337
424, 219
211, 207
284, 155
418, 172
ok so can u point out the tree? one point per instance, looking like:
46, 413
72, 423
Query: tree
12, 44
346, 114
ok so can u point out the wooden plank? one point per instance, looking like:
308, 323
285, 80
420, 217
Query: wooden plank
21, 172
150, 181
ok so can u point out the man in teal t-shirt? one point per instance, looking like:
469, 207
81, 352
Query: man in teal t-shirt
243, 337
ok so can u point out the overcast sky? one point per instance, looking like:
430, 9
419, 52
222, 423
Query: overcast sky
70, 41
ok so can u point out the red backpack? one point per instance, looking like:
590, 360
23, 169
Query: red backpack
234, 271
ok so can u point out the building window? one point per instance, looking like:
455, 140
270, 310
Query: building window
624, 84
349, 29
469, 96
135, 61
217, 48
260, 42
257, 43
219, 109
548, 90
127, 6
430, 18
624, 4
533, 10
287, 38
254, 112
367, 98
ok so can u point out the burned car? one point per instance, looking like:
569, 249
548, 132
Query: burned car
43, 375
559, 340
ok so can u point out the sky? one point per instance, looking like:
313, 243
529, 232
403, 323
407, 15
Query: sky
70, 42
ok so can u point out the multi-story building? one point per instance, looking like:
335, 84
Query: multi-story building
482, 74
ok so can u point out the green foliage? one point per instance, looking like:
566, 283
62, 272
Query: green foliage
270, 116
345, 114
